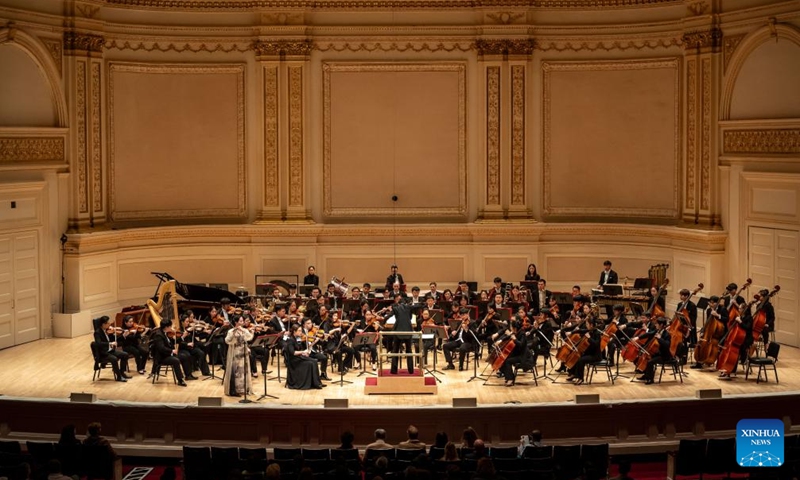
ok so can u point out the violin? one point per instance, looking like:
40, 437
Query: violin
112, 330
170, 332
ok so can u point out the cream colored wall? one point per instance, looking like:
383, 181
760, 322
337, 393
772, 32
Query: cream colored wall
25, 94
526, 123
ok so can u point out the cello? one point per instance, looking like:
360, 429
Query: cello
734, 340
632, 349
707, 348
681, 325
648, 351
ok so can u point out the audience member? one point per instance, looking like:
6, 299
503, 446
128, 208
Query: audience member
306, 474
68, 436
440, 441
413, 442
54, 471
347, 438
273, 471
479, 450
624, 470
450, 453
536, 438
468, 437
380, 441
485, 469
93, 438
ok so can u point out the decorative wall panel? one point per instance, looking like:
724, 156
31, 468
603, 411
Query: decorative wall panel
394, 129
163, 162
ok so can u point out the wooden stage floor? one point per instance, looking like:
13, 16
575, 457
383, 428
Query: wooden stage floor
53, 368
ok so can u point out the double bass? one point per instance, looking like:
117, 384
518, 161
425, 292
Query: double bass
681, 325
707, 348
733, 307
760, 318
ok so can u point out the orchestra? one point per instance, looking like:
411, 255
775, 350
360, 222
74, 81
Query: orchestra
517, 324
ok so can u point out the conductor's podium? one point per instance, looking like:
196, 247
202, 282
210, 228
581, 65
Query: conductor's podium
402, 382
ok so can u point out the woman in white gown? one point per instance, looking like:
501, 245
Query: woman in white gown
237, 367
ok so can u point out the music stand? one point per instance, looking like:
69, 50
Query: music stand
364, 339
439, 333
338, 350
267, 341
215, 352
280, 354
505, 314
612, 290
702, 303
475, 359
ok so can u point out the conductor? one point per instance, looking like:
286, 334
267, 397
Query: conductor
402, 316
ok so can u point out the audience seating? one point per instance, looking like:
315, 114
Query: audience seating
196, 463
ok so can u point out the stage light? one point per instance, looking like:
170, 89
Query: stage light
465, 402
82, 397
209, 401
709, 393
336, 403
587, 399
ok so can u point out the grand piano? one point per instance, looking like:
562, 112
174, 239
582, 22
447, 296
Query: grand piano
197, 298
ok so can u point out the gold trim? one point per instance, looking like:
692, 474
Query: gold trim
328, 5
56, 49
705, 39
194, 69
547, 68
705, 138
76, 42
80, 133
95, 138
331, 67
691, 135
779, 140
282, 48
505, 46
729, 45
271, 168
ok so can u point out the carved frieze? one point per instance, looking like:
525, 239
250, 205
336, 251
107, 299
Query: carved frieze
729, 45
281, 48
711, 38
505, 46
505, 18
31, 149
56, 48
493, 135
243, 5
705, 137
83, 42
606, 45
379, 45
167, 45
295, 136
691, 132
95, 137
782, 141
80, 137
271, 136
518, 135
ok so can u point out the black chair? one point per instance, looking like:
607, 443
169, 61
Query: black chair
10, 446
602, 365
316, 453
567, 461
98, 462
464, 451
690, 457
371, 455
720, 456
537, 452
769, 360
676, 363
159, 369
99, 365
252, 453
507, 467
503, 452
42, 452
436, 453
408, 455
594, 459
70, 458
223, 460
197, 463
285, 457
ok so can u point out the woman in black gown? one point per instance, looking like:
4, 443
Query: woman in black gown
302, 371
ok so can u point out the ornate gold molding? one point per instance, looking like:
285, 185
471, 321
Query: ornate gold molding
56, 49
168, 45
15, 149
95, 137
504, 18
192, 69
328, 208
80, 136
592, 45
393, 46
282, 48
691, 133
296, 183
505, 46
518, 135
493, 135
271, 171
245, 5
705, 136
782, 141
547, 69
82, 42
710, 38
729, 45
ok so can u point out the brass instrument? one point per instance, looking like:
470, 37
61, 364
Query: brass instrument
166, 308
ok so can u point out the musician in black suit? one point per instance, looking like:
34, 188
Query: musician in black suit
541, 297
107, 349
131, 342
393, 278
730, 291
691, 311
590, 355
620, 338
311, 278
189, 347
663, 338
607, 276
165, 352
769, 311
462, 340
715, 312
402, 323
519, 356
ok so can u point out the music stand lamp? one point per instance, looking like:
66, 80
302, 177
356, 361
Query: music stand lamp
268, 342
364, 339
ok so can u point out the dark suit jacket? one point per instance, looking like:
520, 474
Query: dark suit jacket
275, 324
311, 280
390, 281
613, 278
691, 309
402, 317
103, 341
162, 347
535, 300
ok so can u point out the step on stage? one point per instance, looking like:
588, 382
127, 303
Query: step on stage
37, 379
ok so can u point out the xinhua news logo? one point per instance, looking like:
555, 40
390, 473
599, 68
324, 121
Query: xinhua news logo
759, 443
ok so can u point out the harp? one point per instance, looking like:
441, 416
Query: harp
166, 306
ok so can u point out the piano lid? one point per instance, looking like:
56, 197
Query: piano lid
199, 292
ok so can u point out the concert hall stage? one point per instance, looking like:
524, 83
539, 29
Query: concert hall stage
37, 378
